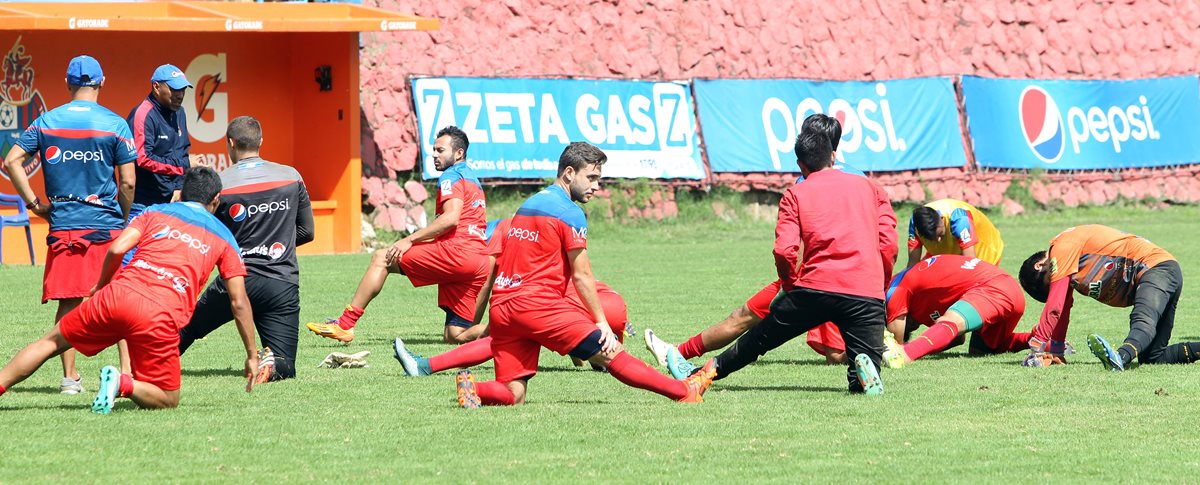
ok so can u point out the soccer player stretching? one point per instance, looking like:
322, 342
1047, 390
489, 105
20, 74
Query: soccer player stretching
1119, 270
545, 245
148, 300
449, 252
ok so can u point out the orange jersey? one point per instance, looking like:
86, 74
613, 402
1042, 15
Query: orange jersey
1103, 263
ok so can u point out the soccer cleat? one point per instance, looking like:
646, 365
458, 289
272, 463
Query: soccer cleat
678, 366
894, 355
71, 386
1103, 351
330, 329
657, 347
266, 366
468, 398
408, 360
868, 376
699, 381
110, 381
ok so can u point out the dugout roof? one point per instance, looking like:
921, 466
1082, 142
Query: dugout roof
207, 17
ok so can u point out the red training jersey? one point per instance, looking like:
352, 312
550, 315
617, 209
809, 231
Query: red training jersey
458, 182
533, 260
926, 291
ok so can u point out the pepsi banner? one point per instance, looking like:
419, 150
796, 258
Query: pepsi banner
1070, 125
751, 125
518, 127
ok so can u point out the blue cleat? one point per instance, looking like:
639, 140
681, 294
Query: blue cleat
678, 366
110, 380
1103, 351
868, 376
408, 360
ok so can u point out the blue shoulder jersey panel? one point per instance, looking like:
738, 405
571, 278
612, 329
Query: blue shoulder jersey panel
194, 214
960, 220
840, 166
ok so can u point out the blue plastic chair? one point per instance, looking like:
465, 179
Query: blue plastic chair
19, 220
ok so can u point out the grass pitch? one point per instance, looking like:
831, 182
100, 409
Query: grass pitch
788, 418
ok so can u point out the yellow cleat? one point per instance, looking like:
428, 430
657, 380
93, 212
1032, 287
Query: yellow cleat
332, 330
893, 354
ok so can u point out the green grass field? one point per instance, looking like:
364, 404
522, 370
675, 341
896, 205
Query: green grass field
786, 419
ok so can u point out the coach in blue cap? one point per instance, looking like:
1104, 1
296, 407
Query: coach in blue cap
160, 134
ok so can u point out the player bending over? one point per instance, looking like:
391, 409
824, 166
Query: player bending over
1119, 270
147, 301
950, 226
449, 252
546, 244
954, 295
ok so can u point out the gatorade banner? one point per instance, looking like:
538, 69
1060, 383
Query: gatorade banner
751, 126
518, 127
1069, 125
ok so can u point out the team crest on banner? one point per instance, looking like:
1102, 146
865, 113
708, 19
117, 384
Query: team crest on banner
20, 102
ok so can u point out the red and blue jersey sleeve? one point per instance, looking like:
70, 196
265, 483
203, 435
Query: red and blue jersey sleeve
913, 241
962, 226
458, 182
495, 244
572, 228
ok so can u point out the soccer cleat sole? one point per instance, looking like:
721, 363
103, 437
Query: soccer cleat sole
468, 397
659, 354
110, 379
868, 375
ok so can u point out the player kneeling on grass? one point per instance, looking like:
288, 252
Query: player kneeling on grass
953, 295
1117, 269
545, 245
148, 300
479, 351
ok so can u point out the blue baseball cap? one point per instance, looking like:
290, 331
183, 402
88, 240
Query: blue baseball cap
171, 75
84, 71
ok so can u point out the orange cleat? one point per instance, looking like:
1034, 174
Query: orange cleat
699, 381
468, 398
332, 330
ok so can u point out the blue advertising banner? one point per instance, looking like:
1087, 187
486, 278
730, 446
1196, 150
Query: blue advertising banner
1068, 125
518, 127
751, 126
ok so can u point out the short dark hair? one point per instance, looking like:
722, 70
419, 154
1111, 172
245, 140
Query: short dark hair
825, 125
1033, 280
813, 150
926, 221
458, 138
580, 154
200, 184
246, 133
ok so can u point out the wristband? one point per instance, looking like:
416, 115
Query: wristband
30, 205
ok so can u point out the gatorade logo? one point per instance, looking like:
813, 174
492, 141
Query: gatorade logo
53, 155
237, 212
1041, 124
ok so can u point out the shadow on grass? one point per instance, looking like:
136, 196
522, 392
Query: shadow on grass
54, 407
226, 372
35, 390
781, 388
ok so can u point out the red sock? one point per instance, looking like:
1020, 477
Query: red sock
936, 338
349, 317
694, 347
125, 387
465, 355
2, 390
635, 373
494, 393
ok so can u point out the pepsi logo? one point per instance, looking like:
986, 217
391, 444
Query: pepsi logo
93, 199
276, 250
237, 212
161, 233
53, 155
1041, 124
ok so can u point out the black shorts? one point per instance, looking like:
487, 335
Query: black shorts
276, 306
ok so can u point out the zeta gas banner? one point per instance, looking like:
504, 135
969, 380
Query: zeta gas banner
751, 126
518, 127
1068, 125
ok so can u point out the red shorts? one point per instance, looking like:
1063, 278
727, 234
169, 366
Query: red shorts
1000, 303
456, 269
521, 327
823, 339
74, 259
614, 310
117, 313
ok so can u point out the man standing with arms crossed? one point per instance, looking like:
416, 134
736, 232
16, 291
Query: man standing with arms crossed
546, 244
80, 143
266, 207
449, 252
160, 135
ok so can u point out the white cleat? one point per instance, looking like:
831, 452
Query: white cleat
657, 347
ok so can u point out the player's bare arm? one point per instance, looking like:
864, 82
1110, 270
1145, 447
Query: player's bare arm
485, 293
914, 256
14, 163
969, 252
897, 327
112, 260
448, 220
243, 316
127, 173
585, 285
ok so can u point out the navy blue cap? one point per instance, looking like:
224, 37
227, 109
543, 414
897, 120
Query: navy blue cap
84, 71
171, 75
